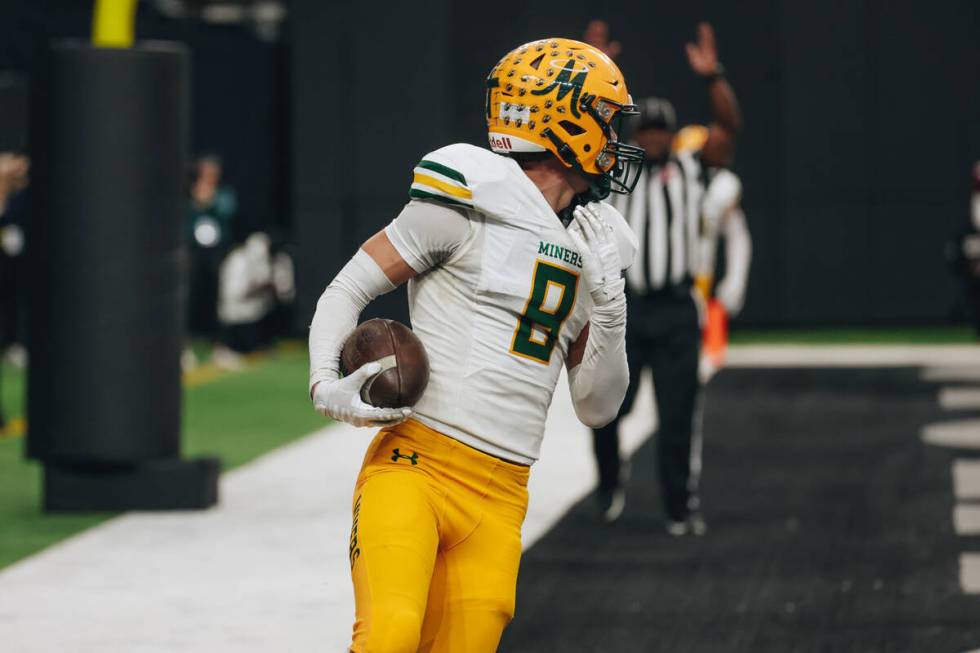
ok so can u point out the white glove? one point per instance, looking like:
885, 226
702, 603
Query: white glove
732, 295
601, 265
341, 400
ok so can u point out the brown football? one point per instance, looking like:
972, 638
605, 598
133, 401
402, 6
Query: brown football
404, 363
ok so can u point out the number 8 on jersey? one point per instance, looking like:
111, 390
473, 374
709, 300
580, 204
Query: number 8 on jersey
551, 301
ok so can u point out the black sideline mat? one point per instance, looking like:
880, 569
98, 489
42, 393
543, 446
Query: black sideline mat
830, 530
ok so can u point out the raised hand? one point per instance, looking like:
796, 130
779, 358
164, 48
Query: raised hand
597, 35
703, 55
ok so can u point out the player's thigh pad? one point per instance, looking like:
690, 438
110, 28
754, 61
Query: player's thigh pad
393, 547
474, 585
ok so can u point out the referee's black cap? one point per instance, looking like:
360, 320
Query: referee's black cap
656, 112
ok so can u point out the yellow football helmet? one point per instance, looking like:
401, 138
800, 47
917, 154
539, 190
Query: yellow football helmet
568, 98
690, 139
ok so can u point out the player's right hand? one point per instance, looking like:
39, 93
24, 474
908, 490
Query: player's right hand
341, 400
602, 266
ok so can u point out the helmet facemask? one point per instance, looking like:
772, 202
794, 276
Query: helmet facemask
619, 163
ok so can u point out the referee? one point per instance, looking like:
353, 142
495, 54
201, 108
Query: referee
663, 326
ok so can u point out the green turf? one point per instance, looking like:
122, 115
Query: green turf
236, 417
12, 390
242, 416
23, 529
859, 335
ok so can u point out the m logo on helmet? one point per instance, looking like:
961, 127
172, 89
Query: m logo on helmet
566, 83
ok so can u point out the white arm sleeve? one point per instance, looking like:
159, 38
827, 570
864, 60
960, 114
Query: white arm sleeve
360, 281
424, 234
598, 384
738, 258
721, 196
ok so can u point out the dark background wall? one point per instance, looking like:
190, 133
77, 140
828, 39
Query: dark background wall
370, 97
860, 130
860, 125
239, 98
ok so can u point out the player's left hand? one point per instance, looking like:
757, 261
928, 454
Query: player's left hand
601, 266
703, 55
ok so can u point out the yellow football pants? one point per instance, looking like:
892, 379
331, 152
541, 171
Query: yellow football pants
435, 544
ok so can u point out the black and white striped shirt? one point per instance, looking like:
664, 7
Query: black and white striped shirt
664, 212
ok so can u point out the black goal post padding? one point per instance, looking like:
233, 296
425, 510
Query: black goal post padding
109, 138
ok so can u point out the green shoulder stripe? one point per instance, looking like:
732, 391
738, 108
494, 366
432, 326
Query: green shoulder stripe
417, 194
442, 170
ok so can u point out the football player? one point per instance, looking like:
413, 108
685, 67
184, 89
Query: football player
514, 268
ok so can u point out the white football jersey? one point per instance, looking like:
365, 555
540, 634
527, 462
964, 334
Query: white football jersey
496, 315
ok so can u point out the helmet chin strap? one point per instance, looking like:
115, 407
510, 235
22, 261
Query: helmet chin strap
565, 215
599, 187
587, 197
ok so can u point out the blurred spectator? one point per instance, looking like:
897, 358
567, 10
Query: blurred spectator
963, 254
14, 170
213, 206
210, 218
255, 281
14, 178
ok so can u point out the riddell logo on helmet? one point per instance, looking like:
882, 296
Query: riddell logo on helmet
500, 143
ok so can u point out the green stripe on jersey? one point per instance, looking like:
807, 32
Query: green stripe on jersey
442, 170
417, 194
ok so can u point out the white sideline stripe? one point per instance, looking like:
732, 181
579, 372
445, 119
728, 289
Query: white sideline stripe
970, 573
958, 434
959, 398
951, 373
966, 478
263, 570
966, 519
267, 570
954, 359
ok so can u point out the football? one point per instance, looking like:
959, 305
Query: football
404, 364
